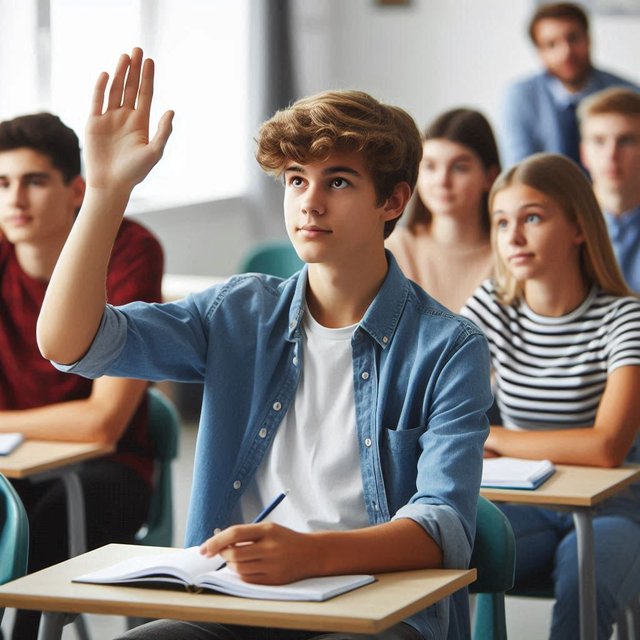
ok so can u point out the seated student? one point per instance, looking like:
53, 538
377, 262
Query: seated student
445, 245
41, 190
564, 334
539, 111
345, 384
610, 129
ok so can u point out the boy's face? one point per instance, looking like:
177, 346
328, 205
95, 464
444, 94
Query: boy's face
331, 210
36, 206
611, 151
564, 49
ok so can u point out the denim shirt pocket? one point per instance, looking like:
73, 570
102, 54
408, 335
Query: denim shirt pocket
399, 452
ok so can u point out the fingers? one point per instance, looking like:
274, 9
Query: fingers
133, 79
97, 100
115, 93
165, 128
145, 94
238, 534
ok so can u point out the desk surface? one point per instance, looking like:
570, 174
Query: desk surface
369, 609
37, 456
571, 485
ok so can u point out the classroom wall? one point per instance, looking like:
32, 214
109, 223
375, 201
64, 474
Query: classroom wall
427, 56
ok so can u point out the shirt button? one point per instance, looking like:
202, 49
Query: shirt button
277, 406
385, 339
367, 442
237, 484
262, 433
292, 325
295, 360
365, 375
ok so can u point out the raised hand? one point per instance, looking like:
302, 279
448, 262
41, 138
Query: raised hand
118, 152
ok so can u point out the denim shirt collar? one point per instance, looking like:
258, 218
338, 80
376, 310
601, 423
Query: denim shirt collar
381, 318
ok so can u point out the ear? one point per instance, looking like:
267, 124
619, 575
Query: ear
77, 187
397, 201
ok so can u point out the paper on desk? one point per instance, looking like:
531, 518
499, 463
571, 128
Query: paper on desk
9, 441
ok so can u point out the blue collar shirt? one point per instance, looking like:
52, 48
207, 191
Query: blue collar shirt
421, 383
624, 231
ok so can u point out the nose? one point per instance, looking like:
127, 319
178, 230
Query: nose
15, 194
443, 177
515, 236
313, 201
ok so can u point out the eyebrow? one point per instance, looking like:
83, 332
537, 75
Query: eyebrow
33, 174
527, 205
466, 157
326, 172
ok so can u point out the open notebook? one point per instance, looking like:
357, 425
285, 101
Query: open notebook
195, 572
515, 473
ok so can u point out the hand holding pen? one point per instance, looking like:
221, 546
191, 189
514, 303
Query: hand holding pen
264, 552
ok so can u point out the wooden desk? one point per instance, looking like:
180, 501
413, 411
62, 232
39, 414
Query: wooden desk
578, 489
44, 460
369, 609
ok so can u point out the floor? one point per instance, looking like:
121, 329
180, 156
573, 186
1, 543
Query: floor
526, 619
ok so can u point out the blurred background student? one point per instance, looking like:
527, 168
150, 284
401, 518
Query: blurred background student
445, 245
564, 333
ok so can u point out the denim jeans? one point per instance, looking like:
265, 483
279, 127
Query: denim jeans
546, 545
171, 629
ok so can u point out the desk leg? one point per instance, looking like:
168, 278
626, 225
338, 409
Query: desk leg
51, 624
76, 520
587, 574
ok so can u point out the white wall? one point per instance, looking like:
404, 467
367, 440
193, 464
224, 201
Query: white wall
432, 55
427, 57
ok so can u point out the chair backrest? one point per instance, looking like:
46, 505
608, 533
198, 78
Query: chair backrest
14, 535
164, 431
494, 551
494, 558
273, 258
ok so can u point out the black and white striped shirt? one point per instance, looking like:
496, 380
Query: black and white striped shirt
550, 372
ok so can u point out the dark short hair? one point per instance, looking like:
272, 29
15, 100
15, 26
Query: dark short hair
313, 128
558, 11
46, 134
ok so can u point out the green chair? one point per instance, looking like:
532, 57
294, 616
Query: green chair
164, 431
273, 258
14, 535
494, 558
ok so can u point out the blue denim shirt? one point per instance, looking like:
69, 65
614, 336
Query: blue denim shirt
421, 382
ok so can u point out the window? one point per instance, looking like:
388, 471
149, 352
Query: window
201, 53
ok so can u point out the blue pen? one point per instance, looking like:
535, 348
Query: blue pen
270, 507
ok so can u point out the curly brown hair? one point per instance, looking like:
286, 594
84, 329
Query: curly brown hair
313, 128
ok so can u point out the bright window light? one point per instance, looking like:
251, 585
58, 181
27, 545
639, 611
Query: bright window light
201, 53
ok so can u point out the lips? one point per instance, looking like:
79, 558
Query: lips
313, 231
520, 257
17, 220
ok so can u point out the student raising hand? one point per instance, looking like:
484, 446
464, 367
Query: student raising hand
118, 155
118, 150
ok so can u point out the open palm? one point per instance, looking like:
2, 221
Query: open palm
118, 152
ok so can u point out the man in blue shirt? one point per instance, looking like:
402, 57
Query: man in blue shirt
539, 112
345, 384
610, 127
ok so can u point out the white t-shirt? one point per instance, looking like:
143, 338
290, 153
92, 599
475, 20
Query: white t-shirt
314, 454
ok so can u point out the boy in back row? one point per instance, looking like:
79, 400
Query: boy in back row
345, 384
